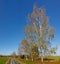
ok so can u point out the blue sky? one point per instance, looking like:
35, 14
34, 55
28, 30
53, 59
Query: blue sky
13, 17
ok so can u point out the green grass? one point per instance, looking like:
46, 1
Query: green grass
26, 61
55, 58
3, 60
50, 58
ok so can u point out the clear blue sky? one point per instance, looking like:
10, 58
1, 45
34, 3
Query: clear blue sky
13, 16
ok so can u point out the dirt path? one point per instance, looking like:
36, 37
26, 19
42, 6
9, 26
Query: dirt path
12, 61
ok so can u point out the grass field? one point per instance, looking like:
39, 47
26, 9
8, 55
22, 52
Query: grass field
3, 60
25, 61
55, 58
48, 60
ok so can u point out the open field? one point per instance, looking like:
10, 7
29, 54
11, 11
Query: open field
3, 60
48, 60
55, 58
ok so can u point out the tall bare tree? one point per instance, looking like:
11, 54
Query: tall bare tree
39, 31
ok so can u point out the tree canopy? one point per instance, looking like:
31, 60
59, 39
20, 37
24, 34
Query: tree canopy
38, 32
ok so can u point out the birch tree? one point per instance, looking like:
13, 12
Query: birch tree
39, 31
24, 48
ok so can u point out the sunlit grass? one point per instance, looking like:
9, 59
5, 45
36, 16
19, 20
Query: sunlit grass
3, 60
26, 61
55, 58
49, 59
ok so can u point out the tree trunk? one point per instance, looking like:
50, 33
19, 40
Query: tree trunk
41, 55
42, 58
32, 59
26, 58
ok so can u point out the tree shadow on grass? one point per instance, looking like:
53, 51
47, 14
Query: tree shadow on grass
46, 59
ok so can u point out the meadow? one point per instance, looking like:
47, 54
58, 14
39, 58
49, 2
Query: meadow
47, 60
3, 60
